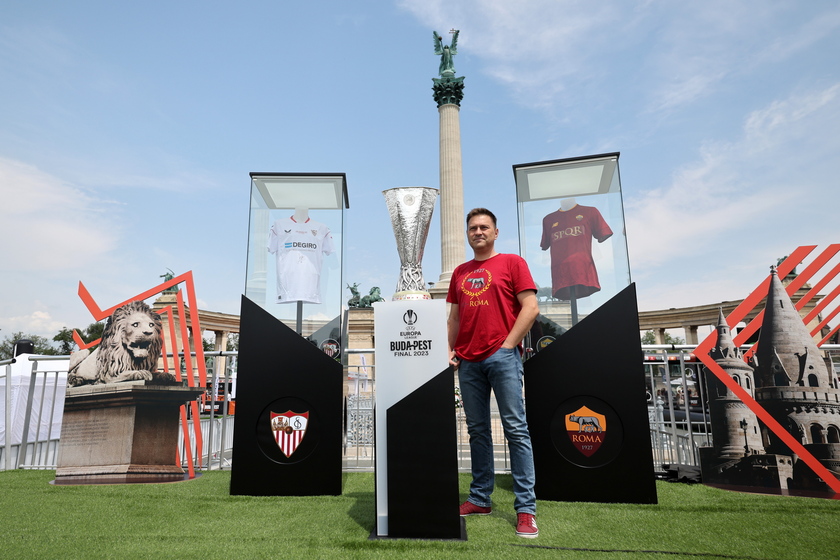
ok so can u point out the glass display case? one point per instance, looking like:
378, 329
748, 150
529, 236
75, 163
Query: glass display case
295, 247
572, 234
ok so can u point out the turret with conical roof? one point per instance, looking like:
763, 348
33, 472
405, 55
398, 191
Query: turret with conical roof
735, 430
794, 386
787, 354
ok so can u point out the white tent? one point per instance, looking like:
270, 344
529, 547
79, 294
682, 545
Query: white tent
43, 395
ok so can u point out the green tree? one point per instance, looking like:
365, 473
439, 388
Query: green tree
93, 331
88, 334
650, 338
42, 345
65, 340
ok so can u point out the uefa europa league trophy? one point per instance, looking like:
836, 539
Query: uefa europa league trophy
411, 215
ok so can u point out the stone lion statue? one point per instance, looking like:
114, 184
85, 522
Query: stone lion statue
129, 350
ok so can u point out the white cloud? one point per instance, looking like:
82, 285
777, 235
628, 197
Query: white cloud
748, 200
534, 46
37, 322
767, 126
554, 54
699, 49
48, 224
818, 28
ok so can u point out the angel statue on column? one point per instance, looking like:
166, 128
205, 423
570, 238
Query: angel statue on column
446, 52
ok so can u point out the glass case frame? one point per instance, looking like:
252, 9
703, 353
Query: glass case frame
277, 198
572, 197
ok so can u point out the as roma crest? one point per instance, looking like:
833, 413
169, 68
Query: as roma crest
587, 430
543, 342
289, 429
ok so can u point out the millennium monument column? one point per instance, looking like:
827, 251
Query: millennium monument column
448, 92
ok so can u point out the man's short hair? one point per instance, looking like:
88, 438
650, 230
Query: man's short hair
481, 212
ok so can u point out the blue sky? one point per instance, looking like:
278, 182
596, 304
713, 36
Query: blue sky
127, 133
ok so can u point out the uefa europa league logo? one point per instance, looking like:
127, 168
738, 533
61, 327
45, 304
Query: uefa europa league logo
411, 211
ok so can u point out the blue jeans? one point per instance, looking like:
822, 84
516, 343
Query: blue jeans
502, 372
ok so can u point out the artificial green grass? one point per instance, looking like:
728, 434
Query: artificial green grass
200, 519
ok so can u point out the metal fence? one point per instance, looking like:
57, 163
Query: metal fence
217, 415
677, 410
359, 442
33, 401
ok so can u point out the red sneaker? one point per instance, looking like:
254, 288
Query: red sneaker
526, 525
469, 508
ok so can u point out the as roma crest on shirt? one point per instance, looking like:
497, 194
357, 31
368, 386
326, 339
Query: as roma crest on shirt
587, 430
289, 429
476, 282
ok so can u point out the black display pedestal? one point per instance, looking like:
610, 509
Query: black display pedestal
587, 410
423, 464
282, 373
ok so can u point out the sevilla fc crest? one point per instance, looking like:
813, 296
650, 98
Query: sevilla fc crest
289, 429
331, 347
587, 430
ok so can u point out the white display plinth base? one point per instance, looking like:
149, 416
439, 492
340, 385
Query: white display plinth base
411, 351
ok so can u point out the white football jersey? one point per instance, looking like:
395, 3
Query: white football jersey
299, 249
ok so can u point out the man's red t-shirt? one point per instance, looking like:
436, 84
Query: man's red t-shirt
485, 292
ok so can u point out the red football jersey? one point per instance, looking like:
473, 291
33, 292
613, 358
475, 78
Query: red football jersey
569, 235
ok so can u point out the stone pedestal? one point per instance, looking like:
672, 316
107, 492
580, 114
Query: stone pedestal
121, 433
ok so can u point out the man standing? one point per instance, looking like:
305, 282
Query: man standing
494, 304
